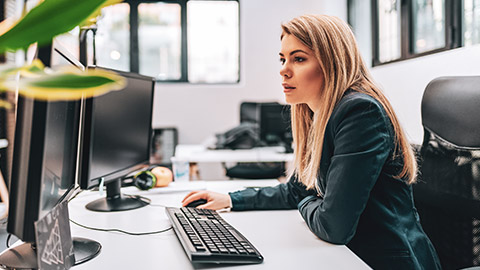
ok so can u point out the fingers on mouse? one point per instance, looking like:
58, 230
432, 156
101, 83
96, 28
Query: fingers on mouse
196, 203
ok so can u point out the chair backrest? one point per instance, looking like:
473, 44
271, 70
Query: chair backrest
451, 109
447, 195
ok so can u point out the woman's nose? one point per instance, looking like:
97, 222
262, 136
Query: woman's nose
285, 71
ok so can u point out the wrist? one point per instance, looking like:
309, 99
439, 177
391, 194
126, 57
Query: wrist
230, 204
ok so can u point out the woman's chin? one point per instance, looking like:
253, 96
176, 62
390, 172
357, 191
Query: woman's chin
291, 101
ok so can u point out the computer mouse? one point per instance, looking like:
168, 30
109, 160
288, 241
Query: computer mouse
197, 203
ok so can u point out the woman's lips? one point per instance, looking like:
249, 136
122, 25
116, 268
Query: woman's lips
287, 88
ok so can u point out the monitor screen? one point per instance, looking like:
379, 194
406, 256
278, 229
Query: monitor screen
275, 128
60, 152
44, 159
121, 130
117, 133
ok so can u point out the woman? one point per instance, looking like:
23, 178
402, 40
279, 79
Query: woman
353, 166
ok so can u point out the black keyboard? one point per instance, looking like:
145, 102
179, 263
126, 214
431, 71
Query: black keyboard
208, 238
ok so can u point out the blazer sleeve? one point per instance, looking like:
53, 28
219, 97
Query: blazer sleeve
282, 196
362, 143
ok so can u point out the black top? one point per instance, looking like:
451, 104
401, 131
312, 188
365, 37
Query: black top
364, 206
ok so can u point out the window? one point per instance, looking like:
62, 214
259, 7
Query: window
389, 30
213, 54
404, 29
428, 21
173, 40
112, 40
159, 40
471, 22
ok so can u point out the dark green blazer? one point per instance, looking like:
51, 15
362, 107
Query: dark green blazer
364, 206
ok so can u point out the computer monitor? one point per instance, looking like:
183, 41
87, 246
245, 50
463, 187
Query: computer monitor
275, 127
116, 141
250, 111
44, 165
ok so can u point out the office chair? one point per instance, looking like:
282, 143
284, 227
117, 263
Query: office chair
447, 194
250, 112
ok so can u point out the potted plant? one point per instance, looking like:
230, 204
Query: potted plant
40, 25
45, 21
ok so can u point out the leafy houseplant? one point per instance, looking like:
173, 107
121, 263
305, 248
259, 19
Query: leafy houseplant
45, 21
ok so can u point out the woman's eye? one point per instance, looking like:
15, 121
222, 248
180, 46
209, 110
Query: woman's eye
282, 60
299, 59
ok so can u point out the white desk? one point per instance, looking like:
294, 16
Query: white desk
194, 154
281, 236
199, 153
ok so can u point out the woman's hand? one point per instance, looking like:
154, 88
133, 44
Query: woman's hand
215, 201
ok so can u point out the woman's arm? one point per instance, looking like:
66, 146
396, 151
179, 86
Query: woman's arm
282, 196
362, 143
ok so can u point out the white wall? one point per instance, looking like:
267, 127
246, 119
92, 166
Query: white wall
404, 82
199, 111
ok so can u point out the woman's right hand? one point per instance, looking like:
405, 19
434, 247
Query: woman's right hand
215, 200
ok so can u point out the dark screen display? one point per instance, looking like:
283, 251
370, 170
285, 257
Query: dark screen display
274, 123
121, 128
60, 152
61, 141
45, 155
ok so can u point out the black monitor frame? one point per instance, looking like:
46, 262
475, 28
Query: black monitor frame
114, 201
28, 169
28, 156
275, 125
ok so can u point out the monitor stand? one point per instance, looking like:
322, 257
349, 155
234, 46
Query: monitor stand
24, 256
85, 249
115, 201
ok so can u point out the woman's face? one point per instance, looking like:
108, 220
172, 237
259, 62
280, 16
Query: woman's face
302, 75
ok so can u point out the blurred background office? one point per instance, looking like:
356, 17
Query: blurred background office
209, 56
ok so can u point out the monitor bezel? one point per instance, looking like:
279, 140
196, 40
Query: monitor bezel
84, 179
28, 156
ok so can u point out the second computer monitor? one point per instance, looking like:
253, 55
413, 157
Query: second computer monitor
116, 140
275, 128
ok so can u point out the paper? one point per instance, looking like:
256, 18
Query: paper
53, 239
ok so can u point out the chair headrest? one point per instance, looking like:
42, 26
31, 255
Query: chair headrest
451, 109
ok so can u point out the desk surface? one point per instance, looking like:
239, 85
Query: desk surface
199, 153
281, 236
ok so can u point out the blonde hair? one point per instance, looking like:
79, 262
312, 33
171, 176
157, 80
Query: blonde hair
335, 48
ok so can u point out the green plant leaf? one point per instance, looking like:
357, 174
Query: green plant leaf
47, 20
66, 84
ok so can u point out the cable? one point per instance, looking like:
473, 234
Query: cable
75, 195
120, 231
8, 240
70, 190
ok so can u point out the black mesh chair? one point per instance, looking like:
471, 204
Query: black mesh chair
448, 193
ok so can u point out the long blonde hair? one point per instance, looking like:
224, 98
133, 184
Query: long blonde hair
335, 48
